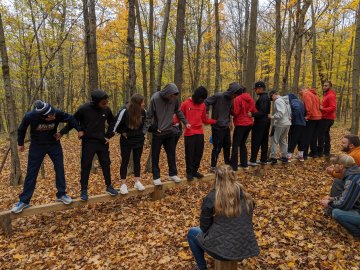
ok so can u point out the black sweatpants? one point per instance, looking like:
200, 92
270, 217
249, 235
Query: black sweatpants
324, 145
260, 138
89, 149
295, 138
221, 139
310, 137
194, 148
168, 141
240, 136
126, 149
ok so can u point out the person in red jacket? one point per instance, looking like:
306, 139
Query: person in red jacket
328, 109
242, 110
194, 110
312, 117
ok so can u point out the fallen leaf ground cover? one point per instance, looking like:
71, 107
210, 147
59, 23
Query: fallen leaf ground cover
290, 226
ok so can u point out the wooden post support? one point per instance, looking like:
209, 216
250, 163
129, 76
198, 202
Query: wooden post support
259, 171
226, 265
5, 224
158, 193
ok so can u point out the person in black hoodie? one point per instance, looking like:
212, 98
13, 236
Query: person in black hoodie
261, 127
221, 104
129, 124
43, 122
92, 117
226, 230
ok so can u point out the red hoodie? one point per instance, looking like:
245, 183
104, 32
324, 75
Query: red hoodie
242, 105
329, 105
196, 116
312, 105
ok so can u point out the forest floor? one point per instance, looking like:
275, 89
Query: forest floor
139, 234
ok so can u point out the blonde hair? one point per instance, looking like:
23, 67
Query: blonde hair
227, 193
344, 160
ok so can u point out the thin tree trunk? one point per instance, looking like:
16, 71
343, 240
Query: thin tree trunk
198, 47
151, 47
163, 44
131, 83
251, 58
355, 78
314, 47
246, 39
278, 44
91, 50
217, 48
15, 175
143, 53
179, 44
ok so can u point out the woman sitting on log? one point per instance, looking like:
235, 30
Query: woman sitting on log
226, 230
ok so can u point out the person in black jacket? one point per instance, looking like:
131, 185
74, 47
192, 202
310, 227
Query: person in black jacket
221, 104
92, 118
261, 127
43, 122
226, 230
129, 124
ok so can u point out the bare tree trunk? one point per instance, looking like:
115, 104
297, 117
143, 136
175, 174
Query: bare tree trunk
217, 48
355, 78
251, 58
151, 47
179, 44
314, 48
61, 93
163, 44
91, 49
131, 83
198, 46
299, 33
143, 53
15, 175
278, 44
246, 39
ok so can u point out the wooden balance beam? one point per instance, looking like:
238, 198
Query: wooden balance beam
226, 265
156, 192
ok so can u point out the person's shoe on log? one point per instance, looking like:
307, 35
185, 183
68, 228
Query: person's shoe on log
19, 207
65, 199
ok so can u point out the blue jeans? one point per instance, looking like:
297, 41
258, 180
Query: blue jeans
197, 250
350, 220
37, 153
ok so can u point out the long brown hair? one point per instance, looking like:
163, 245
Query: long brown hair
135, 111
227, 193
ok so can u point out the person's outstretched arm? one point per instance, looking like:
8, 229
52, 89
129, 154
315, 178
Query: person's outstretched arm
22, 130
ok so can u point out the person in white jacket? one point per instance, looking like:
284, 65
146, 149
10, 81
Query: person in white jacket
281, 124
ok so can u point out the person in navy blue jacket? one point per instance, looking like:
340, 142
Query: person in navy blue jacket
45, 140
298, 124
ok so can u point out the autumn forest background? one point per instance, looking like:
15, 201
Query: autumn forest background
60, 50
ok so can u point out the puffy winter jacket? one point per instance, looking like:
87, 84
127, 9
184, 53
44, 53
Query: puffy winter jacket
196, 116
242, 105
229, 238
329, 105
312, 105
297, 111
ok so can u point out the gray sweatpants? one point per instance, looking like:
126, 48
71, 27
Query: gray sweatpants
279, 137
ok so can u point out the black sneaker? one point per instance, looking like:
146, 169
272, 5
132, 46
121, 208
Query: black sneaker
261, 162
284, 160
198, 175
112, 191
273, 161
189, 177
84, 195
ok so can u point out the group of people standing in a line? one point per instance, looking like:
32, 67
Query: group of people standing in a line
309, 123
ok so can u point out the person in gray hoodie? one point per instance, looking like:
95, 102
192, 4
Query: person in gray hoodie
281, 125
221, 104
160, 121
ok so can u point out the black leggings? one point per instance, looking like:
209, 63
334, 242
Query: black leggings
125, 158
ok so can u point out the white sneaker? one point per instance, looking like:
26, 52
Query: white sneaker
175, 178
139, 186
124, 189
252, 164
157, 182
